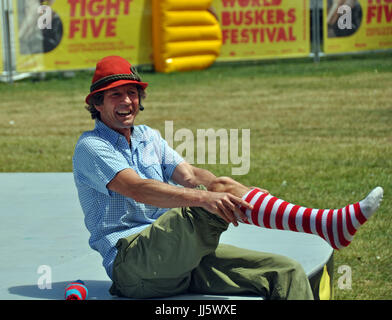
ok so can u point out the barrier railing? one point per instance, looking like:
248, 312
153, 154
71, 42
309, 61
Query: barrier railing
63, 35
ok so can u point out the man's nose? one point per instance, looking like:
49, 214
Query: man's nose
127, 99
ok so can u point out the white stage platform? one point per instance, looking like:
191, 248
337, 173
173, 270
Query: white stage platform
43, 238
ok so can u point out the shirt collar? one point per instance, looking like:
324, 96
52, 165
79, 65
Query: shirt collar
112, 136
116, 138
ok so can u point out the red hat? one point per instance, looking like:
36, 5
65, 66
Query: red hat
111, 72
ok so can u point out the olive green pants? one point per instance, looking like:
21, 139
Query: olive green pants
180, 253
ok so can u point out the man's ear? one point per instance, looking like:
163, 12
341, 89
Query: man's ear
98, 107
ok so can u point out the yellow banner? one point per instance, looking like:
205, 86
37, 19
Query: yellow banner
253, 29
357, 25
75, 34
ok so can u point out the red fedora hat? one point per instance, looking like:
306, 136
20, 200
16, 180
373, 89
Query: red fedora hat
111, 72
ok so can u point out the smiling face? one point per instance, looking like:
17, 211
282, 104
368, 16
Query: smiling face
119, 108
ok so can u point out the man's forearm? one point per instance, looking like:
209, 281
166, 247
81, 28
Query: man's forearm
155, 193
164, 195
202, 176
190, 176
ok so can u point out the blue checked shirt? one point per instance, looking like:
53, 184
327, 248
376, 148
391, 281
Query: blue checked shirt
99, 155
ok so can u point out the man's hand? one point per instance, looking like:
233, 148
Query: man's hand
226, 206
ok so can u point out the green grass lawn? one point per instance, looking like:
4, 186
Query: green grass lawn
321, 136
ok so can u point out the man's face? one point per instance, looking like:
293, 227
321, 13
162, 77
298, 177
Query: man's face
120, 107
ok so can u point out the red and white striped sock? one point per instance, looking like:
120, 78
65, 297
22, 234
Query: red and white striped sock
337, 227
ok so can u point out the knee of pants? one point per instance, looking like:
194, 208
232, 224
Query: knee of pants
287, 267
289, 281
294, 266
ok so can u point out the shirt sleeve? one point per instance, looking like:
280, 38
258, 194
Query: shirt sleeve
96, 163
170, 159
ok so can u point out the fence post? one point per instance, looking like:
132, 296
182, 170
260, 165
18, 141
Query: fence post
7, 11
316, 30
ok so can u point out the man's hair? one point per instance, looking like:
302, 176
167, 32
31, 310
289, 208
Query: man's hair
97, 100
